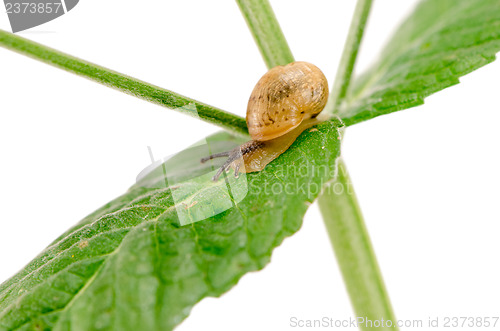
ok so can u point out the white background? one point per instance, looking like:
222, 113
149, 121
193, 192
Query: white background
427, 178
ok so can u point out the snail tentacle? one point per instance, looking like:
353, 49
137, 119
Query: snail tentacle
234, 155
213, 156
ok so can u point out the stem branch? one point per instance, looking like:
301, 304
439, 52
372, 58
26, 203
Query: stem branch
354, 252
124, 83
340, 209
341, 212
349, 55
266, 31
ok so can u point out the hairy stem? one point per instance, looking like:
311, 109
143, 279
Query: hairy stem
266, 31
340, 210
354, 252
349, 55
357, 262
124, 83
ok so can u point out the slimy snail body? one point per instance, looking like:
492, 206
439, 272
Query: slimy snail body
284, 103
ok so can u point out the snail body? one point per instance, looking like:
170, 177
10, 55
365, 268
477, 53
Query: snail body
284, 103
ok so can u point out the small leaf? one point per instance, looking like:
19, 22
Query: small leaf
441, 41
132, 266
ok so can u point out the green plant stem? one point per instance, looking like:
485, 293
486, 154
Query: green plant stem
349, 55
266, 31
341, 213
340, 209
354, 252
124, 83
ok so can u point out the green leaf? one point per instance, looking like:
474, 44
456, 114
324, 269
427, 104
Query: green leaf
124, 83
132, 266
441, 41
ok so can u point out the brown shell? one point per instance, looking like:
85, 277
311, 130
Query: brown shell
283, 98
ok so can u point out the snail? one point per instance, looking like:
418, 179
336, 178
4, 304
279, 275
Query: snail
285, 102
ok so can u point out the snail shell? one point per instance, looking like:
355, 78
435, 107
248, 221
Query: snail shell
284, 103
283, 98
